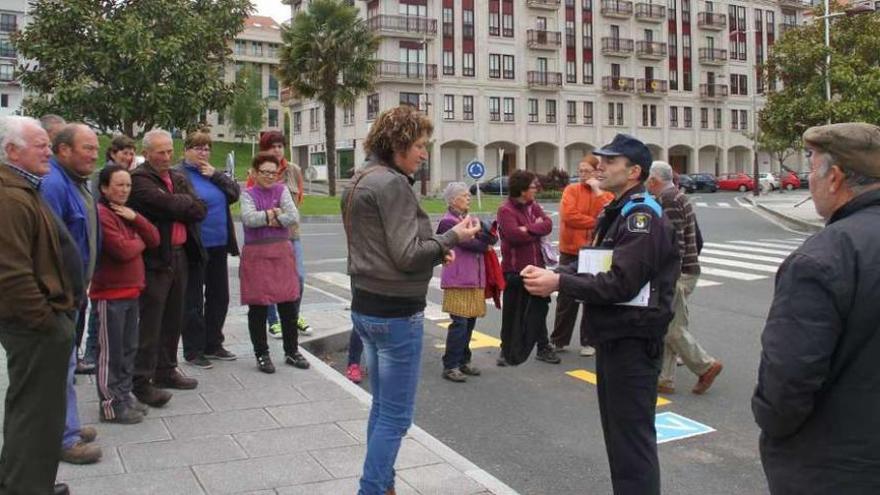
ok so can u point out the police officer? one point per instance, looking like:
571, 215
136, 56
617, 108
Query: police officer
628, 335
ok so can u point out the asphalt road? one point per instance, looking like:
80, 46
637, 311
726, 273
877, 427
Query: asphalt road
537, 428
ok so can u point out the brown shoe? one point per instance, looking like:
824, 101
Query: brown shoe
665, 388
707, 378
81, 453
175, 379
152, 396
88, 434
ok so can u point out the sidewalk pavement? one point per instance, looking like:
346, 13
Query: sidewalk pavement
792, 207
296, 432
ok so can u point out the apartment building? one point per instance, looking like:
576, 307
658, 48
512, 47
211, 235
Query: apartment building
535, 84
12, 19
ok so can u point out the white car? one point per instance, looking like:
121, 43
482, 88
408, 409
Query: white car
768, 181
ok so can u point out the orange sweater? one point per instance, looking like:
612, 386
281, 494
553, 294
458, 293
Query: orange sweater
578, 212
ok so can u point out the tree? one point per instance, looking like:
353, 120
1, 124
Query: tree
778, 147
328, 54
248, 105
798, 61
117, 64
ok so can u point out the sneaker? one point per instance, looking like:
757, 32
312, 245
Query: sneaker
679, 361
81, 453
84, 368
221, 354
558, 347
708, 378
665, 388
467, 369
200, 361
588, 351
264, 364
275, 330
303, 327
548, 356
175, 379
454, 375
139, 406
354, 373
88, 434
152, 396
297, 361
127, 416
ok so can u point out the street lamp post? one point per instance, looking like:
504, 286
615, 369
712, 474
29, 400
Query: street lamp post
756, 188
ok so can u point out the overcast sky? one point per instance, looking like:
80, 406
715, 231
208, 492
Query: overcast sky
274, 9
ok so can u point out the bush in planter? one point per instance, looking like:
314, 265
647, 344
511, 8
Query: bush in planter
555, 180
546, 195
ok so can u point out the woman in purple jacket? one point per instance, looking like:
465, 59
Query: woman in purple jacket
521, 225
463, 282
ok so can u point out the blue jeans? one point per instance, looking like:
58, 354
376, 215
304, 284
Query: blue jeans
394, 355
71, 423
458, 339
272, 317
355, 348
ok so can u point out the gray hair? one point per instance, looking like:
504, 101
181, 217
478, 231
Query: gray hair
152, 135
51, 120
856, 181
662, 171
12, 132
453, 190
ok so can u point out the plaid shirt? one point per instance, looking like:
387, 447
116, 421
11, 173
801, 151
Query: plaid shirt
34, 180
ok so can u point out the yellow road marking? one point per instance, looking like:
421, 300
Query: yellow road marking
590, 377
479, 340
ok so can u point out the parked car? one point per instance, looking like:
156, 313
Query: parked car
735, 182
768, 181
705, 182
790, 181
804, 177
686, 184
495, 185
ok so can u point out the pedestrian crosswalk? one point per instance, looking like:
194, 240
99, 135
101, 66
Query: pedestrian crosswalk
744, 260
714, 204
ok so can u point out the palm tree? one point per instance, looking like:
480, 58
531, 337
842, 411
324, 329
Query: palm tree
328, 54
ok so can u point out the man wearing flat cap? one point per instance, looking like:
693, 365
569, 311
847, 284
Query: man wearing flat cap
817, 401
626, 331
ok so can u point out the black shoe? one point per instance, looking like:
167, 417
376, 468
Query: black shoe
175, 379
221, 354
127, 416
61, 489
297, 361
547, 355
200, 362
139, 406
264, 363
467, 369
152, 396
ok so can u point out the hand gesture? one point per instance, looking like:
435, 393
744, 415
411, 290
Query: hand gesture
449, 257
539, 281
206, 169
467, 228
123, 211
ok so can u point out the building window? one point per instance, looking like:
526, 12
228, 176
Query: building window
273, 117
673, 116
588, 72
467, 24
717, 113
587, 37
448, 22
551, 111
620, 120
8, 23
571, 112
688, 117
273, 87
6, 48
494, 66
412, 99
704, 118
571, 71
7, 71
588, 113
317, 159
494, 109
314, 119
448, 63
221, 120
467, 107
240, 47
297, 122
744, 120
256, 49
372, 106
508, 110
533, 110
673, 79
348, 114
494, 24
467, 65
610, 113
448, 107
734, 119
509, 72
273, 50
649, 115
743, 84
507, 25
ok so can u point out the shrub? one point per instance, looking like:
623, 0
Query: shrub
555, 180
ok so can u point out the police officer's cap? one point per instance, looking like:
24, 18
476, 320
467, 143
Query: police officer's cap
856, 145
628, 146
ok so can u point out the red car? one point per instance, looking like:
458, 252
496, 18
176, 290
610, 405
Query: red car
735, 182
790, 182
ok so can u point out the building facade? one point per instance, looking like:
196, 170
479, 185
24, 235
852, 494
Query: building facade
12, 18
536, 84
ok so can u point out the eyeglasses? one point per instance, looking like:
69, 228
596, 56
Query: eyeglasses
267, 173
201, 149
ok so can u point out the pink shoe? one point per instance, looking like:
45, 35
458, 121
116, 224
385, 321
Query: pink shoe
354, 373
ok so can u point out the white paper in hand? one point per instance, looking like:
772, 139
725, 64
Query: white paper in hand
595, 260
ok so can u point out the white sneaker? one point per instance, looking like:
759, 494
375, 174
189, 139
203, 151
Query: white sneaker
588, 351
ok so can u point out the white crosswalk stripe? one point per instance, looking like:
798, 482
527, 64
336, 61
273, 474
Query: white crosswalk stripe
771, 245
744, 256
747, 249
718, 272
708, 260
724, 205
702, 204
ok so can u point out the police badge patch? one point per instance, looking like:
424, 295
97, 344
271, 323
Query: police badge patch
639, 223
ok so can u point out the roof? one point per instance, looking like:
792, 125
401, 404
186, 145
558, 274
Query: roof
261, 22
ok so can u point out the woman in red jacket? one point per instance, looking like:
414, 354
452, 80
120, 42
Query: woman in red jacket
116, 286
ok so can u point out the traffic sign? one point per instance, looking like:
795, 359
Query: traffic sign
476, 170
671, 426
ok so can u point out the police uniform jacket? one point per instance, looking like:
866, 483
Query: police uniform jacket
645, 250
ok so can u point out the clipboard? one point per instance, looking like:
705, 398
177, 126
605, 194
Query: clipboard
598, 260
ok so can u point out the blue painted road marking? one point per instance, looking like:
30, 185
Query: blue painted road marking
671, 426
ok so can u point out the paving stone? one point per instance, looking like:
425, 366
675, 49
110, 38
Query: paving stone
355, 427
181, 403
155, 456
252, 398
319, 412
113, 434
217, 380
296, 439
110, 464
170, 482
440, 479
348, 461
215, 423
260, 474
251, 377
337, 487
325, 390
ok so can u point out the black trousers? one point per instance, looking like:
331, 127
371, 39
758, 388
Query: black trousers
117, 347
627, 372
207, 302
288, 313
33, 425
161, 317
566, 311
523, 320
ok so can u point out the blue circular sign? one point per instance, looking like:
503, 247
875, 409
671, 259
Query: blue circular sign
476, 170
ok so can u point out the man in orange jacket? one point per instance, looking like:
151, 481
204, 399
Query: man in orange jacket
580, 207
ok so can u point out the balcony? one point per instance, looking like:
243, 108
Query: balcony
784, 28
652, 88
712, 21
550, 81
712, 56
403, 26
544, 4
620, 9
649, 12
543, 40
713, 92
617, 47
651, 50
406, 72
618, 85
797, 4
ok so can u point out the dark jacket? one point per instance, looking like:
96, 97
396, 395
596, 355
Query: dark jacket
151, 198
645, 250
818, 395
232, 191
520, 249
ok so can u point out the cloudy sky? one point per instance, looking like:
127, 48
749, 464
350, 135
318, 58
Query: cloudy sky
274, 9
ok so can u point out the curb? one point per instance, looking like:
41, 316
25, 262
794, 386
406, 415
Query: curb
797, 223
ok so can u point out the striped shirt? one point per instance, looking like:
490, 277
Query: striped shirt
678, 209
34, 180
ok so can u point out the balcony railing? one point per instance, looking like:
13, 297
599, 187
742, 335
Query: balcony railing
544, 40
652, 87
620, 47
712, 56
403, 24
619, 85
544, 4
651, 50
617, 8
711, 20
544, 80
650, 12
713, 91
414, 72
